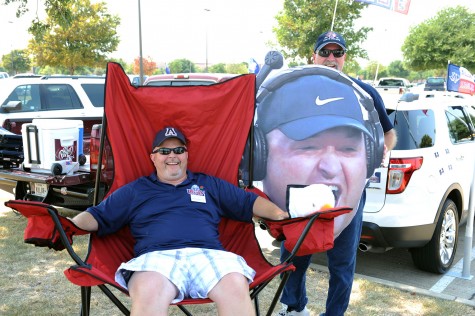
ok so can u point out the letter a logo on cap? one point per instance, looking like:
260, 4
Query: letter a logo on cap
170, 132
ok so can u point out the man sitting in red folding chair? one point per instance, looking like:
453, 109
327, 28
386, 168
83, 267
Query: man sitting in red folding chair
173, 215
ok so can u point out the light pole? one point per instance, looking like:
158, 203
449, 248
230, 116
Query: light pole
140, 46
11, 54
206, 39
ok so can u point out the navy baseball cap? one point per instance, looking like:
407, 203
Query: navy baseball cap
166, 133
329, 38
311, 104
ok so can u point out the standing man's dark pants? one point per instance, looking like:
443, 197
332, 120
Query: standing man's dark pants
341, 264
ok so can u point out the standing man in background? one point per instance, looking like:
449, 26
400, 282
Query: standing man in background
330, 50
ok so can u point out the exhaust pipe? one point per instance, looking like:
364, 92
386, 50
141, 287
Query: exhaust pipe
364, 247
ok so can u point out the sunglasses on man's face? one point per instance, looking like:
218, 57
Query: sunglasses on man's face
336, 52
167, 151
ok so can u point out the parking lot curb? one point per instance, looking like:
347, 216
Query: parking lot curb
403, 287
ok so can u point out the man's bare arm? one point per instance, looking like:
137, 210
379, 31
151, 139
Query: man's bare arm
85, 221
390, 139
266, 209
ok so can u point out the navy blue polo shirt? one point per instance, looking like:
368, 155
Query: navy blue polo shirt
163, 216
386, 123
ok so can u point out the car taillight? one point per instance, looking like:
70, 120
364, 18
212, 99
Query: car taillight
94, 147
401, 90
106, 168
400, 172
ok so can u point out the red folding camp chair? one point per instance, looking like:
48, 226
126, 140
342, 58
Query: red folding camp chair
216, 120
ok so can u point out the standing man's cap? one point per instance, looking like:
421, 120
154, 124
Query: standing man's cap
329, 38
166, 133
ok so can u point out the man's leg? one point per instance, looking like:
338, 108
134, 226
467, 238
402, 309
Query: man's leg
295, 293
342, 263
231, 295
151, 293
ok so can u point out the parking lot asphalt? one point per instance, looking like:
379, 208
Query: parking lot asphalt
394, 268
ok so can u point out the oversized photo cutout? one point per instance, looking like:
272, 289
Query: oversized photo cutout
315, 126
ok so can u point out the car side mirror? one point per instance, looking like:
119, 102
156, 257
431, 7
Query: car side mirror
11, 105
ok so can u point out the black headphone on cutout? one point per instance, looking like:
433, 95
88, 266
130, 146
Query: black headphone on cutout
374, 149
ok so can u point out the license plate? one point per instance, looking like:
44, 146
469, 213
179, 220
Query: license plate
41, 189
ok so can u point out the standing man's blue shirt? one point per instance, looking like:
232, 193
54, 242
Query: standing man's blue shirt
378, 105
173, 217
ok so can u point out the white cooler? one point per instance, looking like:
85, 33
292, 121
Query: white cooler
53, 145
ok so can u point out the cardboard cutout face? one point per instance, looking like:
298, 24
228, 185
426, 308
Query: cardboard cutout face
317, 129
335, 157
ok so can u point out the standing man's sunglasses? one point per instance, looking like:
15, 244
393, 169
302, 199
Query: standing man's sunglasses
336, 52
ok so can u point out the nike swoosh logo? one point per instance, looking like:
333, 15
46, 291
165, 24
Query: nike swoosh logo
325, 101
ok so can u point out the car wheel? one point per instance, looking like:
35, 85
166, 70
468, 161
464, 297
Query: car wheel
437, 256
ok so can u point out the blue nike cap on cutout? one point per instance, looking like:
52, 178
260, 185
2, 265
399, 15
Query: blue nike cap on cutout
309, 105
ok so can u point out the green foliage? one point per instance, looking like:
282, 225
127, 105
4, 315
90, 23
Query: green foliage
181, 66
301, 21
397, 69
60, 9
16, 61
449, 36
218, 68
241, 68
352, 67
82, 39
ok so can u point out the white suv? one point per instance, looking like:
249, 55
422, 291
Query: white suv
419, 196
25, 98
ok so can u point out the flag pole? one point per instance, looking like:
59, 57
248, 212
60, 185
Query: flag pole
334, 14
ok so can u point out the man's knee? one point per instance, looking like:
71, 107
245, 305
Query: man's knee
231, 285
146, 285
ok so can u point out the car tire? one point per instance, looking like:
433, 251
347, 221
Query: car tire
438, 255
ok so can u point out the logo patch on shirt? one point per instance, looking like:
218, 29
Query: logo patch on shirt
197, 194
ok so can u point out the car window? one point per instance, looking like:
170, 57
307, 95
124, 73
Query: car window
391, 82
471, 114
95, 93
44, 97
415, 129
436, 81
29, 97
459, 126
59, 97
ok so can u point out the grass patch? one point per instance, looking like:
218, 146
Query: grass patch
32, 283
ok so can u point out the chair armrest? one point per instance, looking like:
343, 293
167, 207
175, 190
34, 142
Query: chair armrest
46, 228
305, 235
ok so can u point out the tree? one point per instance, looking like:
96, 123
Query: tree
372, 69
301, 21
449, 36
352, 67
16, 61
397, 69
181, 66
85, 41
59, 9
241, 68
149, 66
218, 68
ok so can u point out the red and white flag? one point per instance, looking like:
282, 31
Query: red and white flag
401, 6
